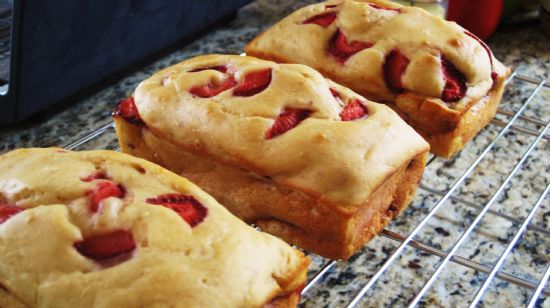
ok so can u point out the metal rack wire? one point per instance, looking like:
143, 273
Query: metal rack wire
450, 255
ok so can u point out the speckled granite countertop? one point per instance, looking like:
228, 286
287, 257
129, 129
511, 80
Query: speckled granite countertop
522, 47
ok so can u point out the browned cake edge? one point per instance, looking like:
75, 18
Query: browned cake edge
291, 295
481, 112
291, 299
331, 230
8, 300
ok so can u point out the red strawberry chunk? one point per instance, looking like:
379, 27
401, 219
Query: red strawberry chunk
106, 246
455, 82
494, 77
353, 110
286, 121
395, 65
324, 20
7, 211
219, 68
378, 7
213, 89
253, 83
95, 176
341, 49
189, 208
104, 190
334, 93
128, 111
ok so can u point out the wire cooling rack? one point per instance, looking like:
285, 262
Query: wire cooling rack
348, 284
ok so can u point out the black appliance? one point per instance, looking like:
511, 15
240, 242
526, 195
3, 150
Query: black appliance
51, 49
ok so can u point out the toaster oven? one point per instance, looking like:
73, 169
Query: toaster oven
52, 49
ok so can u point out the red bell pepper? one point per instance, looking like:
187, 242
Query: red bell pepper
479, 17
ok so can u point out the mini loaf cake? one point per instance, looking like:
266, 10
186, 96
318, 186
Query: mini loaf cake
280, 146
104, 229
440, 78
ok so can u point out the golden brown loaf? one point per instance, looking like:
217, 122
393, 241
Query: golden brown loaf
439, 77
104, 229
279, 145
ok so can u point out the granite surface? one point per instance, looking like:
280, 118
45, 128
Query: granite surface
522, 47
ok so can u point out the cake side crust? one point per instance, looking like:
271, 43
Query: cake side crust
8, 300
394, 196
326, 229
447, 143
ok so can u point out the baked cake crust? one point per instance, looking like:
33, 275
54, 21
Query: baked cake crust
61, 214
306, 221
432, 71
341, 161
313, 184
446, 143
